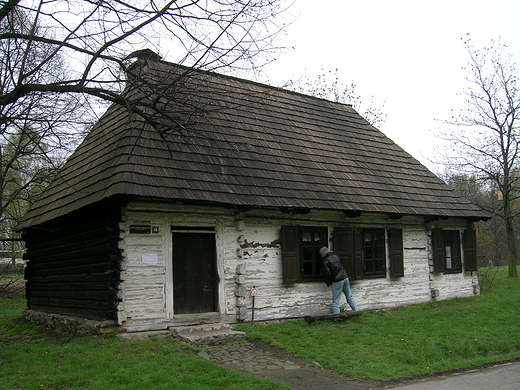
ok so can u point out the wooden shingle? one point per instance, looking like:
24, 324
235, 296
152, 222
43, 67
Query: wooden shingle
240, 143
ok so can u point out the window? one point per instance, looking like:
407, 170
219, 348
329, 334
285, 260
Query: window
446, 251
312, 240
300, 252
452, 250
362, 252
374, 252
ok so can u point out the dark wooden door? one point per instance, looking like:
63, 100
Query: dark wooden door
195, 278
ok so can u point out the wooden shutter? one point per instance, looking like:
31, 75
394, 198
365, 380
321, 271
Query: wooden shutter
469, 243
290, 254
344, 247
358, 252
455, 251
395, 243
439, 260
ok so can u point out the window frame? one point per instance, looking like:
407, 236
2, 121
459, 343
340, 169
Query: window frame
377, 243
293, 252
315, 258
442, 240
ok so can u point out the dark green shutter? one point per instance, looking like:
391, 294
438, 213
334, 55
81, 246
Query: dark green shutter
344, 247
470, 250
439, 260
395, 243
290, 254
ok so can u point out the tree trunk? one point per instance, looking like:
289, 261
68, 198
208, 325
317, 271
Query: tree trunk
511, 243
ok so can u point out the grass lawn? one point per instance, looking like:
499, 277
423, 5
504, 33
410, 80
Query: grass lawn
31, 358
384, 345
412, 340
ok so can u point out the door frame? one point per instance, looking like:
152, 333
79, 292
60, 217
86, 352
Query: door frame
169, 288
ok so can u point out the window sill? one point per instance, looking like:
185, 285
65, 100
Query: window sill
378, 276
453, 271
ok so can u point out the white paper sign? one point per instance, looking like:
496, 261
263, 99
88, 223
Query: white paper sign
149, 259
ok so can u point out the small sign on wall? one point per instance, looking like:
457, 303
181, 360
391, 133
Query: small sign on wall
144, 229
140, 229
149, 259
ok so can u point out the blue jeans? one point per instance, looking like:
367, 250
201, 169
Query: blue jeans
337, 288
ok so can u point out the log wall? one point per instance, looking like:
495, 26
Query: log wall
73, 264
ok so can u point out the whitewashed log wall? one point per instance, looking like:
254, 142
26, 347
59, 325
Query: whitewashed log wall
249, 254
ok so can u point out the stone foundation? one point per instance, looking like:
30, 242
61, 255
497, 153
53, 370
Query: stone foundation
69, 324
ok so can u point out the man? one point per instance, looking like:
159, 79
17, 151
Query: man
336, 276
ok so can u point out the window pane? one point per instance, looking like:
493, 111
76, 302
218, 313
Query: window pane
307, 268
452, 250
317, 267
307, 253
374, 252
447, 250
456, 264
306, 237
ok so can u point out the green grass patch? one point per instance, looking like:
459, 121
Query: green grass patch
384, 345
411, 340
33, 358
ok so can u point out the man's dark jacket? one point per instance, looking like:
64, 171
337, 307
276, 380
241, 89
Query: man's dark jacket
333, 270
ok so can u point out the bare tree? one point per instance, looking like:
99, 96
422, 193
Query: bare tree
62, 62
487, 142
96, 36
37, 130
327, 85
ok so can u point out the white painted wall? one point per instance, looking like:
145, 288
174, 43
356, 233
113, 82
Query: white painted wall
254, 251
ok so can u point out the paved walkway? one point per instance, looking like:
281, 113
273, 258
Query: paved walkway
265, 361
243, 356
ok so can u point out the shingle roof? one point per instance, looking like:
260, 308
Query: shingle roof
236, 142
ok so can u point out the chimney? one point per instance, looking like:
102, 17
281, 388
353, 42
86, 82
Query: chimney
143, 56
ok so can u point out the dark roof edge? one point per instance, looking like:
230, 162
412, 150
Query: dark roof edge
351, 214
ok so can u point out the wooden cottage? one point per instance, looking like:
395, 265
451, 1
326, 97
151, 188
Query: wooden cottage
172, 217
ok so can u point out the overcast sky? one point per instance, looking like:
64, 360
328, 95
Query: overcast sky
407, 53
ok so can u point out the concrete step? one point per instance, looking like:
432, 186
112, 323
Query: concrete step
207, 333
162, 334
